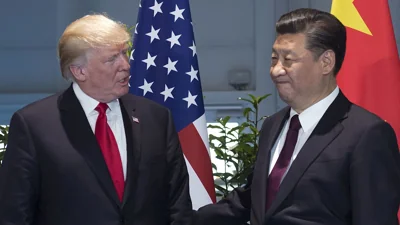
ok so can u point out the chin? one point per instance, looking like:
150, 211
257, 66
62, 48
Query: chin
125, 91
286, 97
122, 91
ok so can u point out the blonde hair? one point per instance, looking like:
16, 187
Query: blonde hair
88, 32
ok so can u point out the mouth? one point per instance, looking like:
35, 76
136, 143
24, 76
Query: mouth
281, 82
125, 81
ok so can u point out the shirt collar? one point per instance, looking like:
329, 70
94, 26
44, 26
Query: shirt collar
311, 116
89, 104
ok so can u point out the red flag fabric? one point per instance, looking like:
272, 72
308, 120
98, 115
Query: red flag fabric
370, 76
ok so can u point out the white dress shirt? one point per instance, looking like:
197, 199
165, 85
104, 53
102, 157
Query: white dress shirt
114, 120
309, 119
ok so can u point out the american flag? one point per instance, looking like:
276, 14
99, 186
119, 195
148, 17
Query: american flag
164, 68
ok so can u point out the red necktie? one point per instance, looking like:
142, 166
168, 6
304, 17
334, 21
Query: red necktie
274, 179
109, 148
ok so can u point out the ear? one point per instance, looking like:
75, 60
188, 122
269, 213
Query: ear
327, 62
79, 72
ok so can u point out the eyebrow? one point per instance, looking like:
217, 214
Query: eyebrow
283, 51
126, 48
116, 53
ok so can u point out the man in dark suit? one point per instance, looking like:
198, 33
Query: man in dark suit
322, 160
93, 154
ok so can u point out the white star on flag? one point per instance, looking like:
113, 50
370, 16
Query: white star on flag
146, 87
177, 13
193, 74
171, 83
171, 66
137, 24
131, 58
167, 93
191, 99
153, 34
156, 8
174, 39
150, 60
193, 47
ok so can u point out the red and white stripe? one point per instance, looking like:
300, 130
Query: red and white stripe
194, 141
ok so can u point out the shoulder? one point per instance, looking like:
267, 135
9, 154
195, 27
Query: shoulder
37, 114
368, 131
40, 107
145, 107
142, 102
362, 119
149, 112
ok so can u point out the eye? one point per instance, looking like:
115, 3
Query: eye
274, 60
112, 58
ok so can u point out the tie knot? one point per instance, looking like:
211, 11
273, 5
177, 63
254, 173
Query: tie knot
295, 123
101, 108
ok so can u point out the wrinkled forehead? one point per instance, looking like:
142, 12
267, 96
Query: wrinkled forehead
288, 43
113, 47
108, 49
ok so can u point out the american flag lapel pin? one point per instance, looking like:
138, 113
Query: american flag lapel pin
134, 119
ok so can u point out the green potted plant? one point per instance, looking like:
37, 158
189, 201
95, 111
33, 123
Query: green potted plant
242, 156
3, 140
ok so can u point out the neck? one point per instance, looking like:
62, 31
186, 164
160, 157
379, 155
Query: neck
327, 90
98, 96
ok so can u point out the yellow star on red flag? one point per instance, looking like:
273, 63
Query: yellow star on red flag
347, 13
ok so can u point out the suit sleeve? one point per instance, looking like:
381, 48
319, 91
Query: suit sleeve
235, 208
180, 204
19, 176
232, 210
375, 179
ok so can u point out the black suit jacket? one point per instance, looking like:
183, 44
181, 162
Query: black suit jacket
346, 173
54, 173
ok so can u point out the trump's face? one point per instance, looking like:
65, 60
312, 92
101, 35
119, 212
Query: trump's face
107, 73
295, 71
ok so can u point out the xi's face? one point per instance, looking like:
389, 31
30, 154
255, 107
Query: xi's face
107, 73
294, 70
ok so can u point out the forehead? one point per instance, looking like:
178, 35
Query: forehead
114, 48
109, 50
289, 43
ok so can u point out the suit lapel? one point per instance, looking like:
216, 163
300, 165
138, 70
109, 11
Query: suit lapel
324, 133
269, 134
132, 130
84, 141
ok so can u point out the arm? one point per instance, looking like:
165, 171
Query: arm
232, 210
375, 179
236, 207
19, 176
180, 204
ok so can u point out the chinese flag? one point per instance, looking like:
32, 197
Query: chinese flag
370, 76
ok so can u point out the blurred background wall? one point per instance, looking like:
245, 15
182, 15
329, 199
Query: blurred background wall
234, 37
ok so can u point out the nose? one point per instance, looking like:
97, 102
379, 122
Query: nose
277, 69
125, 62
